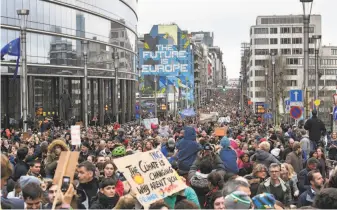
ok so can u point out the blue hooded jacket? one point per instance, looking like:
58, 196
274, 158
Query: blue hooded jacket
229, 158
188, 149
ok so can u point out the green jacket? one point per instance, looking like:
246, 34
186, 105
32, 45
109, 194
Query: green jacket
264, 187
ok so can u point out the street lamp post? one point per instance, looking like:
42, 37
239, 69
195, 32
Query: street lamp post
85, 83
140, 94
24, 87
266, 84
317, 39
116, 65
307, 7
155, 96
274, 87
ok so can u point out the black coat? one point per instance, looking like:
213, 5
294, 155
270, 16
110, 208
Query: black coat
103, 202
316, 128
21, 168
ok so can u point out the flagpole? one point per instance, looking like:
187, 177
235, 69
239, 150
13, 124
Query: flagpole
24, 13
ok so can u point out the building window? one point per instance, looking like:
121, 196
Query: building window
297, 40
291, 72
311, 40
261, 62
330, 82
297, 30
311, 30
285, 41
260, 94
294, 61
274, 51
260, 83
273, 41
261, 51
261, 41
297, 51
260, 30
333, 51
273, 30
331, 71
291, 83
329, 62
259, 73
312, 82
286, 51
114, 34
251, 84
285, 30
311, 51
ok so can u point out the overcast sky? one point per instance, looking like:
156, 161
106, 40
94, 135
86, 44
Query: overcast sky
230, 20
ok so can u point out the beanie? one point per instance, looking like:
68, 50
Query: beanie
237, 200
24, 180
264, 201
225, 142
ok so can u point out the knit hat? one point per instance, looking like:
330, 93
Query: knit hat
24, 180
264, 201
86, 144
225, 142
237, 200
171, 142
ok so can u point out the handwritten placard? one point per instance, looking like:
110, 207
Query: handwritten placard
150, 175
75, 135
147, 122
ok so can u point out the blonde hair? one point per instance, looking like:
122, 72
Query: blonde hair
128, 201
290, 169
6, 167
264, 146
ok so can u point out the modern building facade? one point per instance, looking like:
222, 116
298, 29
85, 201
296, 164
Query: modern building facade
205, 37
327, 83
283, 37
55, 33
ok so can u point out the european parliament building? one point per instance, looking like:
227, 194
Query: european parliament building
56, 30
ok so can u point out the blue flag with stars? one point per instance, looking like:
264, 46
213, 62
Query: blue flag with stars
12, 48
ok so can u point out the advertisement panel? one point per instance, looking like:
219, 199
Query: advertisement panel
166, 57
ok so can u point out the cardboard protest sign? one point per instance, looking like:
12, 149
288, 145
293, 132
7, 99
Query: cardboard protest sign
150, 175
147, 122
25, 135
220, 131
66, 166
75, 135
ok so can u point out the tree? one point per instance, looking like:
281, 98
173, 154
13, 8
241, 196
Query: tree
281, 91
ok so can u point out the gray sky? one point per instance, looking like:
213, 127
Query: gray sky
230, 20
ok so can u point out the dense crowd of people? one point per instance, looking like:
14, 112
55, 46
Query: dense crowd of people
252, 166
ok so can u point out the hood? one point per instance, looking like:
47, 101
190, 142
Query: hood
199, 180
190, 134
58, 142
261, 154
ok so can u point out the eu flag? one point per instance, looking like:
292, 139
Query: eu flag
12, 48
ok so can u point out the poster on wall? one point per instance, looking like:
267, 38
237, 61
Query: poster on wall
150, 175
167, 54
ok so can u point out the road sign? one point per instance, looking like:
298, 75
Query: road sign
137, 116
296, 112
287, 102
335, 113
317, 102
296, 97
268, 116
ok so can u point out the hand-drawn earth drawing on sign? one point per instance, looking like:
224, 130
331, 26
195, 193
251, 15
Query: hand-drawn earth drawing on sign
150, 175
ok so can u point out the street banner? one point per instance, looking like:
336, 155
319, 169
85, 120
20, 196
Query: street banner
150, 175
147, 122
75, 134
207, 118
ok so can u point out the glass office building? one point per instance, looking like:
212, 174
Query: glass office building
55, 32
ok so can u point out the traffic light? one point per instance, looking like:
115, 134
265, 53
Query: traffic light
106, 107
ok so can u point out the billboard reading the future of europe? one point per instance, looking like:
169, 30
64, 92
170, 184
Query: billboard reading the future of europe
167, 54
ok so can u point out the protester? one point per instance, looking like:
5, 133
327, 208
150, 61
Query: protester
316, 183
